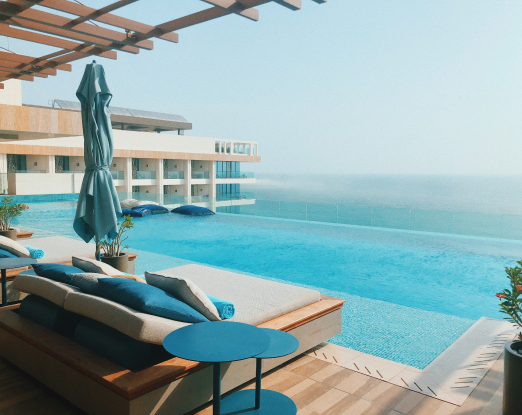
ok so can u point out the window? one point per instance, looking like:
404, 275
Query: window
217, 147
228, 148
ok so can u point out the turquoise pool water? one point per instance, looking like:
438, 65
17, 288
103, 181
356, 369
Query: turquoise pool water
408, 295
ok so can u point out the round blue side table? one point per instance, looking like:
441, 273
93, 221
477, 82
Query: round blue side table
217, 342
261, 401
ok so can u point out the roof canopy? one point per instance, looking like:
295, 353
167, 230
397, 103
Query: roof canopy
137, 120
80, 37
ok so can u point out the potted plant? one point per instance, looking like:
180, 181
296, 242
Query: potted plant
8, 212
510, 304
112, 253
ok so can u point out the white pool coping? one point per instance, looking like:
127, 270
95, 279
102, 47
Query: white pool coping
451, 377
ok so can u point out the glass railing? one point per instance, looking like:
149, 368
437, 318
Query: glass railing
235, 196
234, 175
118, 175
70, 171
145, 175
200, 175
173, 175
28, 171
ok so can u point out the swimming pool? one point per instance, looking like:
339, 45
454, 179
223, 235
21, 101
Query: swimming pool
408, 295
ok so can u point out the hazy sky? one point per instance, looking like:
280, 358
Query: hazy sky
390, 86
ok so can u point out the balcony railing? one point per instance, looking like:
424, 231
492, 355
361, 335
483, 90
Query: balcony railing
145, 175
27, 171
173, 175
234, 175
200, 175
118, 175
235, 196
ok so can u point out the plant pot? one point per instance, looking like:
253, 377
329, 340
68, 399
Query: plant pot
512, 400
11, 234
118, 262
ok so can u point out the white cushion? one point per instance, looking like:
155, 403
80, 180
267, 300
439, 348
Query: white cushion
129, 203
93, 266
146, 202
139, 326
53, 291
184, 290
14, 247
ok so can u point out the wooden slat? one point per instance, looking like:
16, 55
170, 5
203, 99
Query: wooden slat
1, 86
15, 57
24, 234
8, 75
289, 4
18, 71
21, 9
103, 15
8, 31
17, 68
235, 7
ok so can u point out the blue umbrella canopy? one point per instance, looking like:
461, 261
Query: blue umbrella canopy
98, 207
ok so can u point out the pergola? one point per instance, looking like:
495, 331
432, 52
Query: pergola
81, 37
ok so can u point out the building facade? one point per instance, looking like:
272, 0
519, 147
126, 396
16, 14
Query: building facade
41, 152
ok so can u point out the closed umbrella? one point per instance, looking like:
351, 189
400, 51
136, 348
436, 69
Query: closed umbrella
98, 207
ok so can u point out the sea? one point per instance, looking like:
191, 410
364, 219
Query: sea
498, 195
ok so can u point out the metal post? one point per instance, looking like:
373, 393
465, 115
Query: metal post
4, 288
217, 389
258, 382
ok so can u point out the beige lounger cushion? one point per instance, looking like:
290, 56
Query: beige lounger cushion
184, 290
97, 267
60, 249
14, 247
139, 326
53, 291
255, 300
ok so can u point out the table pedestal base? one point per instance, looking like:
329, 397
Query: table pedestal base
272, 403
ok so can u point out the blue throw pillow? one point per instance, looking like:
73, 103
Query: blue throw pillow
148, 299
6, 254
56, 272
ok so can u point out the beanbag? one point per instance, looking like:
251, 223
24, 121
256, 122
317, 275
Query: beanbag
153, 208
193, 210
136, 212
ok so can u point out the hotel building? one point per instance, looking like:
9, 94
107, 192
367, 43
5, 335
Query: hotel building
41, 152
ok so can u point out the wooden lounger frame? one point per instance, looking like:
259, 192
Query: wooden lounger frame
175, 386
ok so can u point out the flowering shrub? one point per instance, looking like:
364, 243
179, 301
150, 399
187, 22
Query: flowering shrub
511, 298
9, 211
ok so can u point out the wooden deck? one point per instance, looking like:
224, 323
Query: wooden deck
317, 388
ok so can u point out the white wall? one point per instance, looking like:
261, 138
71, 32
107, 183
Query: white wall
44, 183
175, 190
73, 161
41, 162
12, 92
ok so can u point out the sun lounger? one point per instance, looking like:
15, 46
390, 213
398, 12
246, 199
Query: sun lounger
175, 386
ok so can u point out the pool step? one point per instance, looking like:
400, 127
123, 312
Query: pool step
451, 377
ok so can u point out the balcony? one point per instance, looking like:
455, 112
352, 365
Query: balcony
234, 175
27, 171
118, 175
200, 175
145, 175
179, 175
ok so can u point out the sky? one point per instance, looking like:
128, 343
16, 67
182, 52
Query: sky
345, 87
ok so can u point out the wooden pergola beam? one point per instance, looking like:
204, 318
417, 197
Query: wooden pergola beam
6, 75
46, 63
21, 10
21, 67
103, 15
1, 86
236, 7
6, 30
21, 72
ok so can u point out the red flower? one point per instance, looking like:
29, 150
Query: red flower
519, 287
501, 295
27, 207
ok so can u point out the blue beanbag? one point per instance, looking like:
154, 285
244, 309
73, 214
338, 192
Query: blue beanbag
56, 272
153, 208
193, 210
148, 299
49, 315
6, 254
135, 213
225, 308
